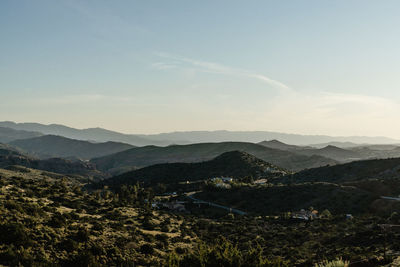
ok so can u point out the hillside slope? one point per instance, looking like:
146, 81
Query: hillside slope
276, 144
49, 146
9, 158
276, 199
349, 172
233, 164
6, 150
329, 151
333, 152
150, 155
9, 134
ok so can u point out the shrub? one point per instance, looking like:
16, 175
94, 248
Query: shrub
147, 249
335, 263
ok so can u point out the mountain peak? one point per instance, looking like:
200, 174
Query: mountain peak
332, 147
275, 141
234, 154
235, 164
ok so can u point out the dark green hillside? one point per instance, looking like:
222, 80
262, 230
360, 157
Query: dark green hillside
49, 146
6, 150
150, 155
232, 164
277, 199
13, 158
53, 222
353, 171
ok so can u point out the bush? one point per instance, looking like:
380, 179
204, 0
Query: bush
13, 233
147, 249
335, 263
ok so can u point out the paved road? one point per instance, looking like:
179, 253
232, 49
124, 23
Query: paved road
232, 210
391, 198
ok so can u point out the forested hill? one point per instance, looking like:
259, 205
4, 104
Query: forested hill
9, 158
145, 156
353, 171
49, 146
233, 164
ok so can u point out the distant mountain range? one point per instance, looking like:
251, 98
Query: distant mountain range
351, 153
116, 153
333, 152
10, 134
276, 144
190, 137
233, 164
50, 146
337, 144
91, 134
145, 156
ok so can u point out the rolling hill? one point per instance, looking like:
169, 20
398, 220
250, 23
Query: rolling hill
6, 150
377, 151
233, 164
276, 144
10, 158
90, 134
333, 152
50, 146
349, 172
345, 145
145, 156
9, 134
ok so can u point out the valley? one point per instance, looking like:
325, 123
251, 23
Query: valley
78, 202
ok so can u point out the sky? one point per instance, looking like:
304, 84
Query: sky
308, 67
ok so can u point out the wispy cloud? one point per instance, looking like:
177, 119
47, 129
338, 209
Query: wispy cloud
212, 67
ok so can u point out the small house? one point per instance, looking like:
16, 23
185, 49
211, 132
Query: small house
305, 215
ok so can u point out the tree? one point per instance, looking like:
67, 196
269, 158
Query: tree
325, 214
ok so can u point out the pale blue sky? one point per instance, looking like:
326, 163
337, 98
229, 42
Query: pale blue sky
313, 67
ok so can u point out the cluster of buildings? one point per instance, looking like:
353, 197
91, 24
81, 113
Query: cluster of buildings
222, 182
309, 215
306, 215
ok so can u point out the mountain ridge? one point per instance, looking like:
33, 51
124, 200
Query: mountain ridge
9, 134
348, 172
49, 146
233, 164
186, 137
149, 155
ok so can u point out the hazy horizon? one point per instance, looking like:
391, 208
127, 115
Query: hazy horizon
313, 68
216, 130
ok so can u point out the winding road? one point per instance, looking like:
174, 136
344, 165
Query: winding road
232, 210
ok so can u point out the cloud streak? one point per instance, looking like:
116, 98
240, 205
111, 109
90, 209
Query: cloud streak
213, 67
